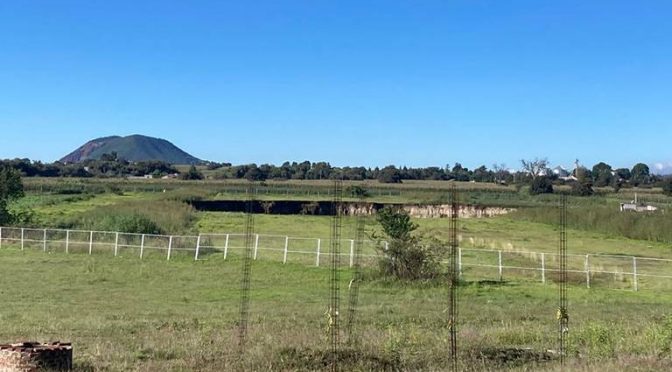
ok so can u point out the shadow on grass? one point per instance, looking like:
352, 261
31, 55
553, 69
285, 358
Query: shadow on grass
347, 360
511, 357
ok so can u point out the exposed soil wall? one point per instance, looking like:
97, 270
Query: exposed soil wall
323, 208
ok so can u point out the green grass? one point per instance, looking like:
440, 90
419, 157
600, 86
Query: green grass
407, 192
49, 209
151, 315
492, 233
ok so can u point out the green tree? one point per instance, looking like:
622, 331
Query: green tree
582, 174
602, 174
11, 188
255, 174
404, 257
192, 174
623, 174
460, 173
536, 168
389, 174
640, 174
396, 223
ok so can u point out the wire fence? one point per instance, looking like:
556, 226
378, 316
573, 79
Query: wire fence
612, 271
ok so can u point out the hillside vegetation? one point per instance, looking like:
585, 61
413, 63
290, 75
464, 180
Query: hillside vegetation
131, 148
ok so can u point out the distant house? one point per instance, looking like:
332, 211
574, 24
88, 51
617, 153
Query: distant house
563, 174
560, 171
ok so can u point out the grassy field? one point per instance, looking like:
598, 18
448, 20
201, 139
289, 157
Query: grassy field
151, 315
126, 314
407, 192
502, 232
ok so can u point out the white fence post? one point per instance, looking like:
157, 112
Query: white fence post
587, 264
198, 247
317, 260
256, 245
226, 246
170, 247
116, 244
284, 258
500, 265
634, 274
0, 236
22, 234
142, 245
459, 261
44, 240
67, 241
543, 268
387, 246
352, 252
90, 242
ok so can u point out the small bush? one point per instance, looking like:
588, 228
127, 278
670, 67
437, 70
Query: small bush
128, 223
357, 191
667, 186
404, 257
582, 189
158, 217
409, 260
596, 340
541, 185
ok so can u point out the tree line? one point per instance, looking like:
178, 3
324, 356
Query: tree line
600, 175
109, 165
537, 170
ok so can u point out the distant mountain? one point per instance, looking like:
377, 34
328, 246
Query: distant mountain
131, 148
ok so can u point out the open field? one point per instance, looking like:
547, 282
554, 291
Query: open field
502, 232
126, 314
123, 313
407, 192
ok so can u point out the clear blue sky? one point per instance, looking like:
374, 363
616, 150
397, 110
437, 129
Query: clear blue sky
414, 83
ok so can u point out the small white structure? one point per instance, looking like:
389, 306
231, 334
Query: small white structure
637, 207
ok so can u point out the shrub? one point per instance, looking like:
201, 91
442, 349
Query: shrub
582, 189
597, 340
404, 257
541, 185
128, 223
158, 217
192, 174
667, 186
396, 223
408, 260
357, 191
